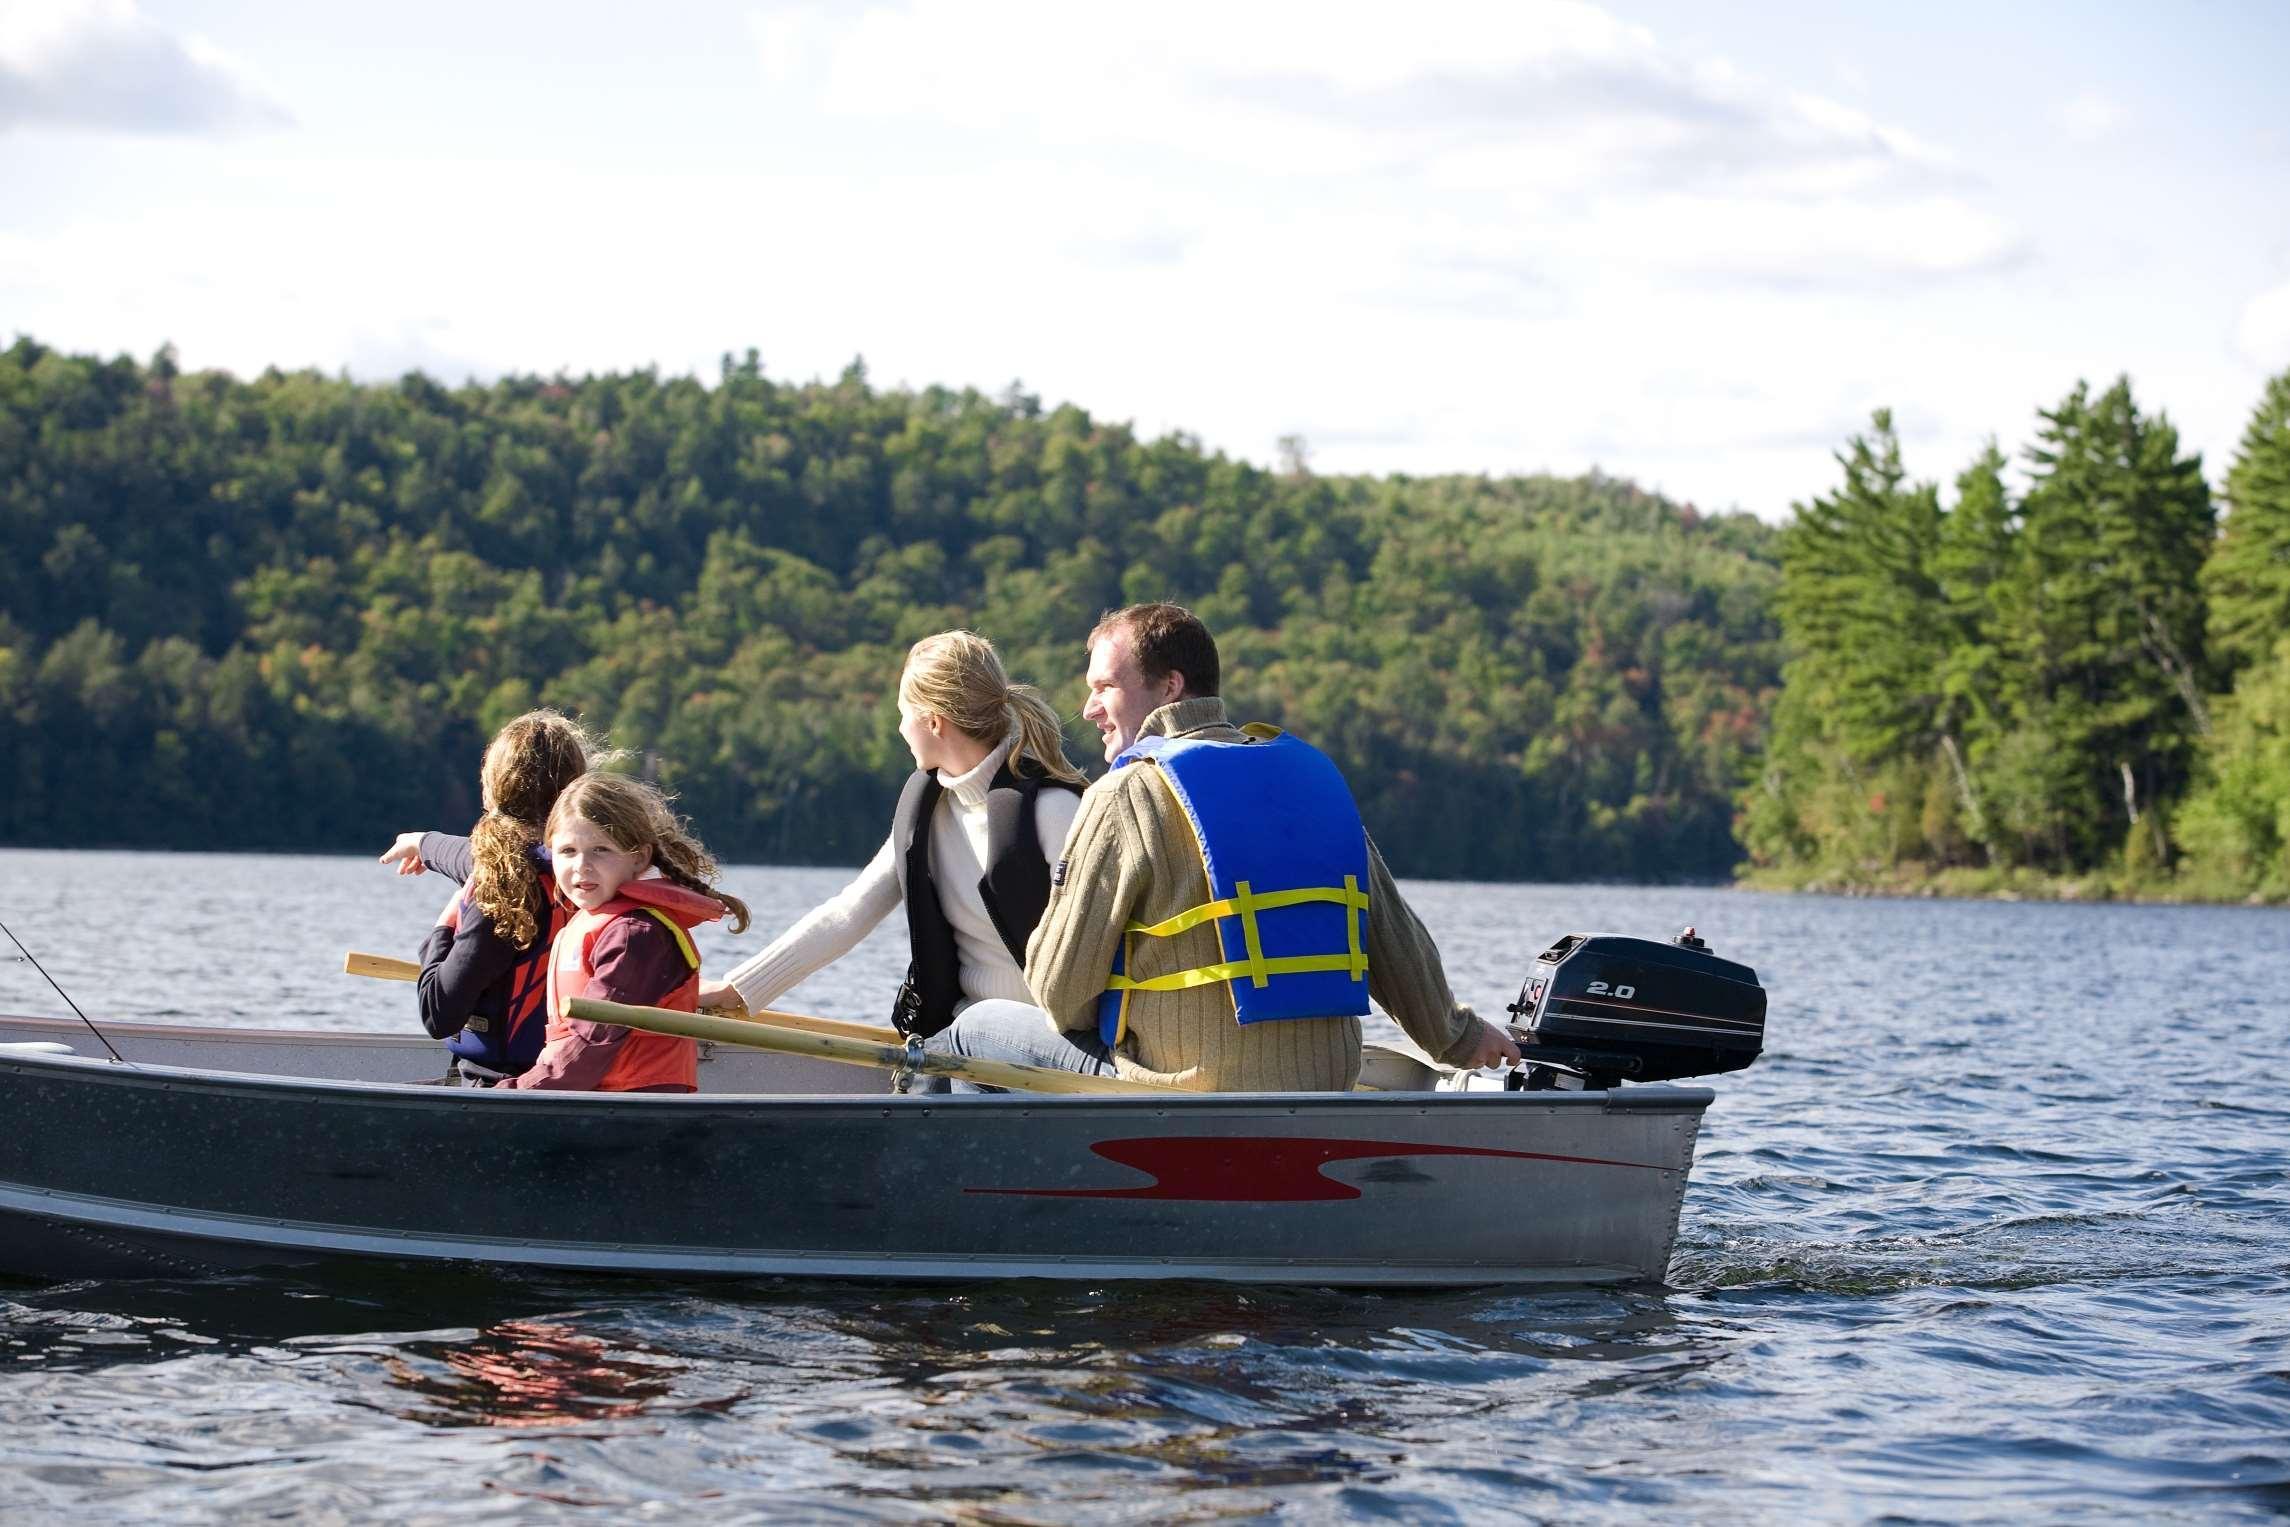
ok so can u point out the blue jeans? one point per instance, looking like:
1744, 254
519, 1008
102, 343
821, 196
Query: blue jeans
998, 1029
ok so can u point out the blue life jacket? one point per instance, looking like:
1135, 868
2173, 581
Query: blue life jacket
1287, 864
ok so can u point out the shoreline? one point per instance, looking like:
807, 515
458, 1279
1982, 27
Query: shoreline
1903, 883
1917, 883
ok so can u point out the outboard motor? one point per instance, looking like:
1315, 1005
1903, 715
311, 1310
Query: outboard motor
1599, 1009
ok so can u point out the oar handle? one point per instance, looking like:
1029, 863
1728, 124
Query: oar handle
380, 967
848, 1051
841, 1028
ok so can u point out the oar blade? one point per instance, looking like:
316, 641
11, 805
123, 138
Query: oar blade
379, 967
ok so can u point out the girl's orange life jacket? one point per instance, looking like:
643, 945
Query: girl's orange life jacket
643, 1060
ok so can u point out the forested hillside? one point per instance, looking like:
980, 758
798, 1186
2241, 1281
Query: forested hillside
285, 612
2086, 688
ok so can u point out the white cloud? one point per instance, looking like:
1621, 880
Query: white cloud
1475, 238
103, 64
2089, 118
1834, 241
2264, 333
1543, 124
788, 39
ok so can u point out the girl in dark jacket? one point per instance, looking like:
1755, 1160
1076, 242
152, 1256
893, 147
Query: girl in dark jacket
484, 966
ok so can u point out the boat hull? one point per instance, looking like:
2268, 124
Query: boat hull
151, 1169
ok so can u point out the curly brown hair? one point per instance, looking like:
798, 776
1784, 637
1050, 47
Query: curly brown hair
527, 766
636, 816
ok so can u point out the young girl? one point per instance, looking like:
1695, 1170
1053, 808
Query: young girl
637, 884
484, 967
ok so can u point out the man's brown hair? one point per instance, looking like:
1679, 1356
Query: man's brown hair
1166, 638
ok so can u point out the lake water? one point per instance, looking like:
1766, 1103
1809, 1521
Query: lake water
1996, 1230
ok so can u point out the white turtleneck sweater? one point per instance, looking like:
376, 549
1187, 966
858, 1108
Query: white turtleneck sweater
958, 859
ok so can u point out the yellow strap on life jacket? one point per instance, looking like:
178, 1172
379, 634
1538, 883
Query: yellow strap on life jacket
1245, 904
1258, 970
683, 939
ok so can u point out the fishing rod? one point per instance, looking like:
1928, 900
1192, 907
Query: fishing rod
67, 996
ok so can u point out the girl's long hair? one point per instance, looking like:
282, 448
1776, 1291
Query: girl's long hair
527, 766
635, 816
959, 676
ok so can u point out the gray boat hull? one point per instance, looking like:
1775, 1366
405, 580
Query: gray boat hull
149, 1168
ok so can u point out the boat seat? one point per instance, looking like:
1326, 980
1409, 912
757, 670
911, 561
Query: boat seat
1388, 1068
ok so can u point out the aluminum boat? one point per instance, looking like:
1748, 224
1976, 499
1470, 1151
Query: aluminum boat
206, 1150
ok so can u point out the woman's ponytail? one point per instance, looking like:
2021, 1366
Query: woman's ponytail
1041, 736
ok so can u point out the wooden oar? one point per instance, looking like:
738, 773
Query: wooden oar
382, 967
379, 967
841, 1028
760, 1035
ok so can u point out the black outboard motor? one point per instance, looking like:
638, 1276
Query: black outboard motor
1610, 1009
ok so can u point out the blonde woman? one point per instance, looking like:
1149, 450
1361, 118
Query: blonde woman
977, 827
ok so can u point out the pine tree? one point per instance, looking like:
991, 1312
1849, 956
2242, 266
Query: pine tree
2248, 576
1849, 761
2104, 616
1976, 546
2238, 822
1859, 604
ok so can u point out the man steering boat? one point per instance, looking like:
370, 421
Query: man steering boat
1220, 918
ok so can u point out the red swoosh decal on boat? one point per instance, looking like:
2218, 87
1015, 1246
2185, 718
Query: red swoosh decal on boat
1249, 1169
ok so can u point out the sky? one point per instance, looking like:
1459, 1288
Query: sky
1692, 244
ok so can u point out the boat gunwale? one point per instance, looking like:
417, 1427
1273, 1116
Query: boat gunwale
220, 1034
1654, 1097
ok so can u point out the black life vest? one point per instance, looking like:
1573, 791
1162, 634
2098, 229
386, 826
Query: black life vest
1015, 887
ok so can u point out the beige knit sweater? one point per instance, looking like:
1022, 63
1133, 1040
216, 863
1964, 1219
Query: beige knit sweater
1131, 856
